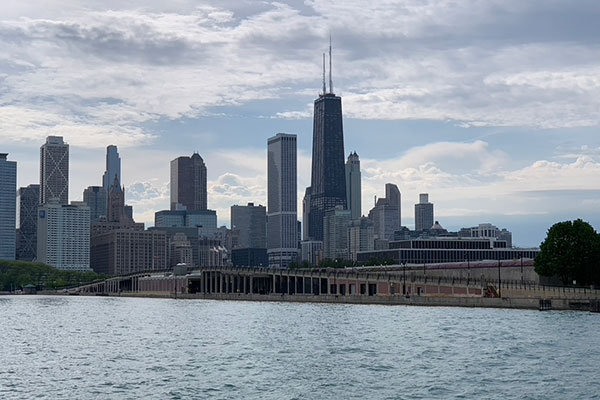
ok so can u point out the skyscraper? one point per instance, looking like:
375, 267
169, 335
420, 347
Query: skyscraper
64, 235
28, 201
8, 207
113, 169
54, 170
328, 180
188, 183
282, 211
353, 186
96, 198
394, 198
423, 213
335, 233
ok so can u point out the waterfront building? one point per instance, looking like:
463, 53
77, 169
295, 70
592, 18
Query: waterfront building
423, 213
124, 251
353, 186
188, 184
184, 218
251, 223
28, 200
63, 233
445, 250
328, 175
335, 238
112, 173
96, 199
487, 231
8, 207
386, 214
360, 236
312, 252
54, 170
282, 212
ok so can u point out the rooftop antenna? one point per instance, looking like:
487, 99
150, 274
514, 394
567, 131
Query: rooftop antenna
330, 80
324, 87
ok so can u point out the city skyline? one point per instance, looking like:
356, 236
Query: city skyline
417, 108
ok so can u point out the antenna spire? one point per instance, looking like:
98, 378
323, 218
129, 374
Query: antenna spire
324, 86
330, 80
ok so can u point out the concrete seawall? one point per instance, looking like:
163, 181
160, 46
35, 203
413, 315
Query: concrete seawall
425, 301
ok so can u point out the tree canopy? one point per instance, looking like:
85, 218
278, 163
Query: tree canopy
16, 274
571, 251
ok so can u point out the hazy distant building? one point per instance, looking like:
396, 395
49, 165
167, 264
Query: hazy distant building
183, 218
353, 186
312, 252
188, 184
305, 214
54, 170
282, 212
487, 231
251, 223
328, 175
112, 173
64, 235
180, 250
28, 200
124, 251
360, 236
335, 238
386, 214
423, 213
8, 206
96, 199
249, 257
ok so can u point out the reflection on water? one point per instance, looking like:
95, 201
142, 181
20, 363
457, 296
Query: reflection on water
89, 347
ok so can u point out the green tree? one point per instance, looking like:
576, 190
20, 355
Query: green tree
571, 251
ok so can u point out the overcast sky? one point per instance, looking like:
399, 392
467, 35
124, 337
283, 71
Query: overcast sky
492, 107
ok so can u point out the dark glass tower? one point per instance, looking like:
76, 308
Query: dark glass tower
328, 181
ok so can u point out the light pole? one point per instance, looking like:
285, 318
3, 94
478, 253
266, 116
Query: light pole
404, 284
499, 281
468, 268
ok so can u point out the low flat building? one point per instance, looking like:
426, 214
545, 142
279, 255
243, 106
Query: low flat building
249, 257
184, 218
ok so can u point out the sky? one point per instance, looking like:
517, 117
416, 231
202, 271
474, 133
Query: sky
492, 107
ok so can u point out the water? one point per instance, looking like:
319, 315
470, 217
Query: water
125, 348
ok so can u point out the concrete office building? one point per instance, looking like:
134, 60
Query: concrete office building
96, 198
8, 207
282, 211
28, 201
251, 223
423, 213
386, 214
188, 184
353, 186
54, 170
360, 236
125, 251
64, 235
487, 231
335, 239
183, 218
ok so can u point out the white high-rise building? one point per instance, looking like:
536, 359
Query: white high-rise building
8, 207
54, 170
360, 236
353, 186
335, 233
64, 235
386, 213
282, 207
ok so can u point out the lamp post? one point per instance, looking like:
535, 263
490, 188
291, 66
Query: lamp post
468, 268
499, 281
404, 284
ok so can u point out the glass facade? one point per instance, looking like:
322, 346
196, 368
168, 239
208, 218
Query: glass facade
8, 207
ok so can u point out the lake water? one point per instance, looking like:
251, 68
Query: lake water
129, 348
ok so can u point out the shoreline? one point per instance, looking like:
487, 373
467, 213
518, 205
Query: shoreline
419, 301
